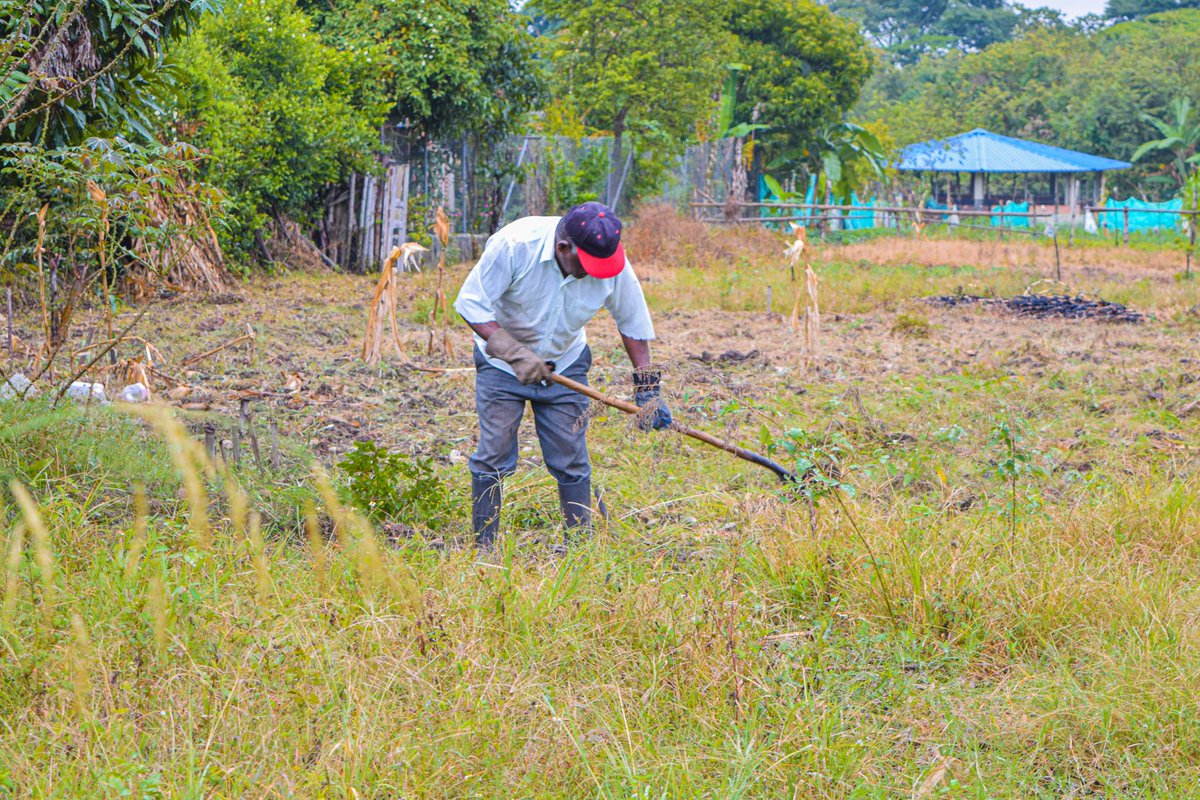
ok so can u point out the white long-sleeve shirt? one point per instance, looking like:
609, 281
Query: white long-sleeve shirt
517, 284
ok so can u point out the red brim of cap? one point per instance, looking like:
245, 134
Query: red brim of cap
603, 267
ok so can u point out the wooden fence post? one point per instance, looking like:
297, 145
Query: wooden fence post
1074, 207
9, 322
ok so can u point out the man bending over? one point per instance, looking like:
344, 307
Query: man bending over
538, 282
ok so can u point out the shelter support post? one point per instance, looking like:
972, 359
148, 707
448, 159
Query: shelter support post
1074, 207
977, 188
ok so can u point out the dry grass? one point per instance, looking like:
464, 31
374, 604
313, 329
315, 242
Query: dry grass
732, 645
947, 630
659, 237
1015, 253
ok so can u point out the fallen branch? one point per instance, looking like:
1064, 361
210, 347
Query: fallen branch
89, 347
162, 376
187, 362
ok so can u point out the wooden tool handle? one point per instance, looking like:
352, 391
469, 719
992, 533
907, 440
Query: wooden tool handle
630, 408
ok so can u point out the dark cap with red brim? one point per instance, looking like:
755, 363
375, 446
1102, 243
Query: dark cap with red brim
596, 233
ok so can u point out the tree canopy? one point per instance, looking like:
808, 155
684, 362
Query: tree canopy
444, 66
70, 68
276, 109
646, 67
1066, 87
909, 29
1136, 9
805, 69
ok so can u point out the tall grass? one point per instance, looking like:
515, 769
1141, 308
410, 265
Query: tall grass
171, 629
746, 653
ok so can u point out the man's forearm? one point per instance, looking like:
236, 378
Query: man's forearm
638, 350
484, 329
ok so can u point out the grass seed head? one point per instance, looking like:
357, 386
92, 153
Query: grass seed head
12, 578
156, 601
81, 678
43, 556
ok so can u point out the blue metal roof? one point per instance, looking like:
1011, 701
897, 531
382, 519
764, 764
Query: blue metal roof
984, 151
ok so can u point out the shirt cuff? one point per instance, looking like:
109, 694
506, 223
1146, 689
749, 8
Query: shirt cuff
639, 333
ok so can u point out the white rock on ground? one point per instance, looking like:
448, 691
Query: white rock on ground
16, 387
134, 393
84, 392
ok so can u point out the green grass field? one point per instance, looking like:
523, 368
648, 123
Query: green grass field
1000, 603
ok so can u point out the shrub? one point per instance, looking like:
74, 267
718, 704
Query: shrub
394, 487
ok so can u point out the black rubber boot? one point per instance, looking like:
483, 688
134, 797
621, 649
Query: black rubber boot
485, 509
575, 500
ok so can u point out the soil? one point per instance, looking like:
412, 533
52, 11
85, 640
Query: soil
305, 370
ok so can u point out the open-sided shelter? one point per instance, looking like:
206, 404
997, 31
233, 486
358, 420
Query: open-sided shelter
983, 154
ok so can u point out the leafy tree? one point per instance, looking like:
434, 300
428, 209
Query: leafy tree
97, 215
908, 29
277, 110
806, 67
1137, 9
442, 66
1081, 89
646, 68
70, 67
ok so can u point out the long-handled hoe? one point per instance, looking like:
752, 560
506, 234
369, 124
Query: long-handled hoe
630, 408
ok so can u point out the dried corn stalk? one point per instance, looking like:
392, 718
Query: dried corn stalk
132, 370
101, 199
40, 252
812, 308
382, 314
812, 315
441, 227
191, 261
795, 254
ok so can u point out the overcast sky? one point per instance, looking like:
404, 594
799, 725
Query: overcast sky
1072, 8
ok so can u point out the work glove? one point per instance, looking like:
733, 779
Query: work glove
647, 391
525, 363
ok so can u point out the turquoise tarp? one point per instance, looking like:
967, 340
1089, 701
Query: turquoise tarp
1143, 215
861, 216
934, 205
1012, 207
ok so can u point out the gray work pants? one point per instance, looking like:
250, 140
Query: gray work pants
559, 415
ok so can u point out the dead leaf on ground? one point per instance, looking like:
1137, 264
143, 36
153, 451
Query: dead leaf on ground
292, 383
938, 774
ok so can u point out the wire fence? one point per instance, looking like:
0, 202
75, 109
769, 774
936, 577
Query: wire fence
828, 218
480, 186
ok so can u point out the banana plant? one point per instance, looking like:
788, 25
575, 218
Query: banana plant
1179, 136
726, 128
845, 152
